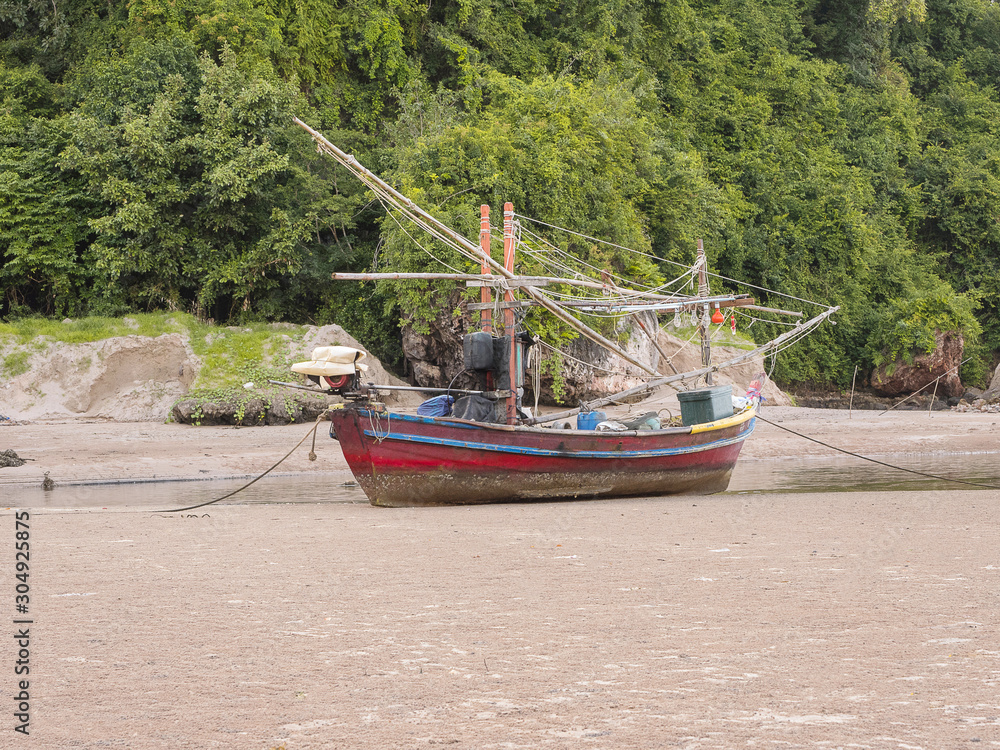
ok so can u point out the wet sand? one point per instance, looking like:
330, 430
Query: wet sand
97, 451
767, 620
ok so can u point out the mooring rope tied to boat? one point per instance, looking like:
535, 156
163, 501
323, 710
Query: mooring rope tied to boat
876, 461
312, 457
375, 420
320, 418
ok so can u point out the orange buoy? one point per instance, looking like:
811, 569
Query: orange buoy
718, 317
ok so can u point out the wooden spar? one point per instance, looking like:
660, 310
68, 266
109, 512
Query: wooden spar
338, 276
478, 279
774, 310
588, 332
799, 330
508, 313
486, 296
444, 231
684, 303
706, 345
487, 279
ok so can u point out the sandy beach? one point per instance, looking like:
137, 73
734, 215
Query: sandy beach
771, 619
77, 451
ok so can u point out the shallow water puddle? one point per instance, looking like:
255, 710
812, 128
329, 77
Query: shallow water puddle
169, 495
781, 475
846, 474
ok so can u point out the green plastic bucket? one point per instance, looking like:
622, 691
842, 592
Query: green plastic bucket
706, 404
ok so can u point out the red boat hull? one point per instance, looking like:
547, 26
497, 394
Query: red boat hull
402, 461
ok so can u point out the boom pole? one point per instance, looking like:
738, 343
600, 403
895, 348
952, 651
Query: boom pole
443, 231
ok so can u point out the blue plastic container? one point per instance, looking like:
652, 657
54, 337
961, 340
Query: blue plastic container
589, 420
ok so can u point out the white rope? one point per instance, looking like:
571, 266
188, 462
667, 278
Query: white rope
624, 295
602, 242
583, 263
375, 420
591, 365
674, 262
414, 241
753, 319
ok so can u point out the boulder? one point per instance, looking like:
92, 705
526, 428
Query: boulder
435, 357
895, 378
590, 371
992, 394
587, 371
10, 458
334, 335
687, 356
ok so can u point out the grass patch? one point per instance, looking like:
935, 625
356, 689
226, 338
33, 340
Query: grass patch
85, 330
239, 354
16, 363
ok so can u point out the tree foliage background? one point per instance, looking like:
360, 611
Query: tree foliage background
846, 152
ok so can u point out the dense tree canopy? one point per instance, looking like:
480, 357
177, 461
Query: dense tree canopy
843, 152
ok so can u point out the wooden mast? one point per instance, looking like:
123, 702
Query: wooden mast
508, 313
703, 324
486, 296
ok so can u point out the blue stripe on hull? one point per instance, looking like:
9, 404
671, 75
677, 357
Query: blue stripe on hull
521, 450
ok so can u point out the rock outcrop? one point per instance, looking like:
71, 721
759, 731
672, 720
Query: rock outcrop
687, 356
435, 357
587, 371
895, 378
992, 394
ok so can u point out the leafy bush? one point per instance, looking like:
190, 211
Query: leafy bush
907, 328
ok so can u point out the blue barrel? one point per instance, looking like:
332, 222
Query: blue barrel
589, 420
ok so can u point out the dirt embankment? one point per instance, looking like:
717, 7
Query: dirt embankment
126, 378
133, 378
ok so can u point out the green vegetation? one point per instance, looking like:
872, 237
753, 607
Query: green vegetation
15, 363
230, 356
847, 153
254, 391
82, 330
909, 330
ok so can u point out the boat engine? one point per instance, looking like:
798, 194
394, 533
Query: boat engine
336, 369
489, 357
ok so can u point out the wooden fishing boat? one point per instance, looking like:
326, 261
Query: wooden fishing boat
504, 454
403, 460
